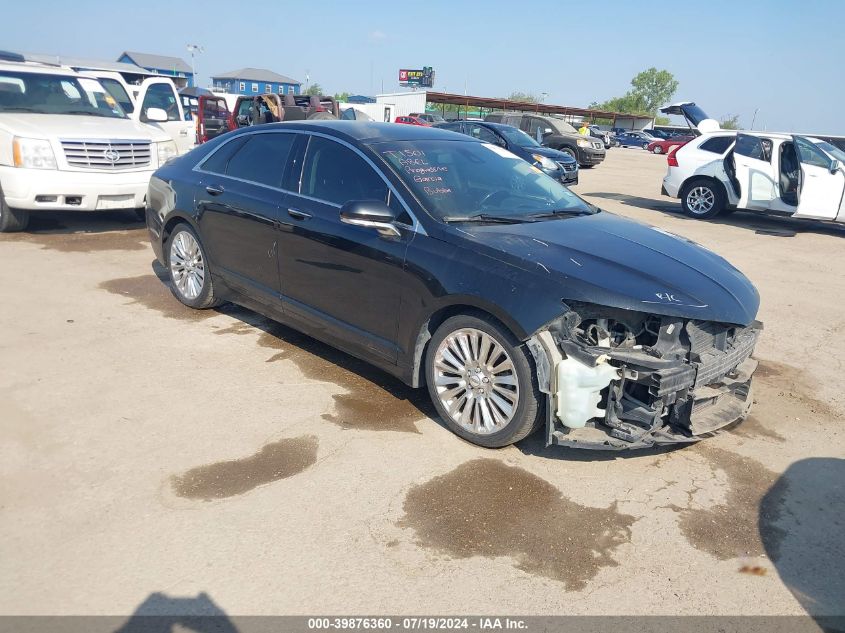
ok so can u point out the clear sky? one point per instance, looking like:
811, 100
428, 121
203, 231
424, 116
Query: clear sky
786, 59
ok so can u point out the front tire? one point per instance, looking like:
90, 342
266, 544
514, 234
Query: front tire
702, 199
571, 152
482, 382
657, 149
190, 276
11, 220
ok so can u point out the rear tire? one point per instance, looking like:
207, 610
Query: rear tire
702, 199
190, 275
482, 382
11, 220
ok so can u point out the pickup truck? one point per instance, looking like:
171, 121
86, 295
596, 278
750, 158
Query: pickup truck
273, 108
153, 92
67, 144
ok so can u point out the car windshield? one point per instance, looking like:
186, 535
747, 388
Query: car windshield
517, 137
834, 151
460, 179
562, 127
42, 93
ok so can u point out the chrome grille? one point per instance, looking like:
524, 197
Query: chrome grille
106, 154
568, 166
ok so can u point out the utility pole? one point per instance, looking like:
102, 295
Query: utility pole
195, 49
754, 118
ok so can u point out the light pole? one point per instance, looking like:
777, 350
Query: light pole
754, 118
195, 49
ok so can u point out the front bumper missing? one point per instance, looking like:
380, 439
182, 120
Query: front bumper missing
687, 401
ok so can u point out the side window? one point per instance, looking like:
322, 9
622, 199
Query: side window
750, 146
161, 96
483, 134
262, 159
216, 163
717, 144
334, 173
809, 154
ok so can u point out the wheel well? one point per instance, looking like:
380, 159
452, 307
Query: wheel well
169, 226
430, 327
709, 179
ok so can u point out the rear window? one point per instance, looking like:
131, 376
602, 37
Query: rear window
717, 144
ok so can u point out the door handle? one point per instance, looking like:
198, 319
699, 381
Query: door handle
214, 190
296, 214
183, 132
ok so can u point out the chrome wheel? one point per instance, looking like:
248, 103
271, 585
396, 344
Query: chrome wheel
476, 381
700, 199
187, 265
658, 149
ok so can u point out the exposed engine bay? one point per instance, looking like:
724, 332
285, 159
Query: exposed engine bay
622, 379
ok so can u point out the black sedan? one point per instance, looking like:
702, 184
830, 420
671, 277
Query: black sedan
559, 165
456, 266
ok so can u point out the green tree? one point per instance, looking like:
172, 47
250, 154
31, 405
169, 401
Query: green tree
653, 88
314, 89
730, 122
341, 96
650, 89
526, 97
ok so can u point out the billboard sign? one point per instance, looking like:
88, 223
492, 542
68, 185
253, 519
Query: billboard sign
417, 78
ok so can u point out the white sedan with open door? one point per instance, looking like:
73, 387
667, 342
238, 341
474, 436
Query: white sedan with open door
782, 174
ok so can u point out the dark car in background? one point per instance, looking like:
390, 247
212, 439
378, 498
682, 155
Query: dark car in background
454, 265
555, 133
633, 139
558, 165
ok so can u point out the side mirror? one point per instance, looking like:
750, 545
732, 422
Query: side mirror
835, 166
372, 214
156, 115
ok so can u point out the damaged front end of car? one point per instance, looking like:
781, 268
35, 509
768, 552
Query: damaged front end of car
621, 379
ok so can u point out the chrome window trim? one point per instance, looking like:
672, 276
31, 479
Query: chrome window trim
415, 226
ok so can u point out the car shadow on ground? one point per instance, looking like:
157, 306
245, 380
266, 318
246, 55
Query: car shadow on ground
161, 613
776, 226
374, 400
802, 527
83, 222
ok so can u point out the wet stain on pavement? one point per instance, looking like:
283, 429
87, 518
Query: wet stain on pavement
487, 508
153, 292
793, 384
275, 461
375, 401
748, 516
752, 427
81, 233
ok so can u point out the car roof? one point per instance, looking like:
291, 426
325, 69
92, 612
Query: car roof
35, 67
367, 132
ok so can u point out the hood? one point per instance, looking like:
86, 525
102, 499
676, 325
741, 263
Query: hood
548, 152
608, 260
77, 126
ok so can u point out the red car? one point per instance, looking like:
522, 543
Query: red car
412, 120
663, 145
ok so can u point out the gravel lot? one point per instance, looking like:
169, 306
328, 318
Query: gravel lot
152, 455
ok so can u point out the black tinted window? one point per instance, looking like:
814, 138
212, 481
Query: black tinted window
335, 173
750, 146
217, 162
717, 144
262, 159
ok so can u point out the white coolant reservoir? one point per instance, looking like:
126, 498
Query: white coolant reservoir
579, 390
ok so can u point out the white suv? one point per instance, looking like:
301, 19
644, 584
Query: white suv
784, 174
66, 144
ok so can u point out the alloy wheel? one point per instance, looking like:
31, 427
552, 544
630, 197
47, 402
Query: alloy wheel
476, 381
187, 265
700, 199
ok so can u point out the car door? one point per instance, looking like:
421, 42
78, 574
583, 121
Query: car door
821, 185
755, 172
160, 93
238, 209
340, 281
212, 117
